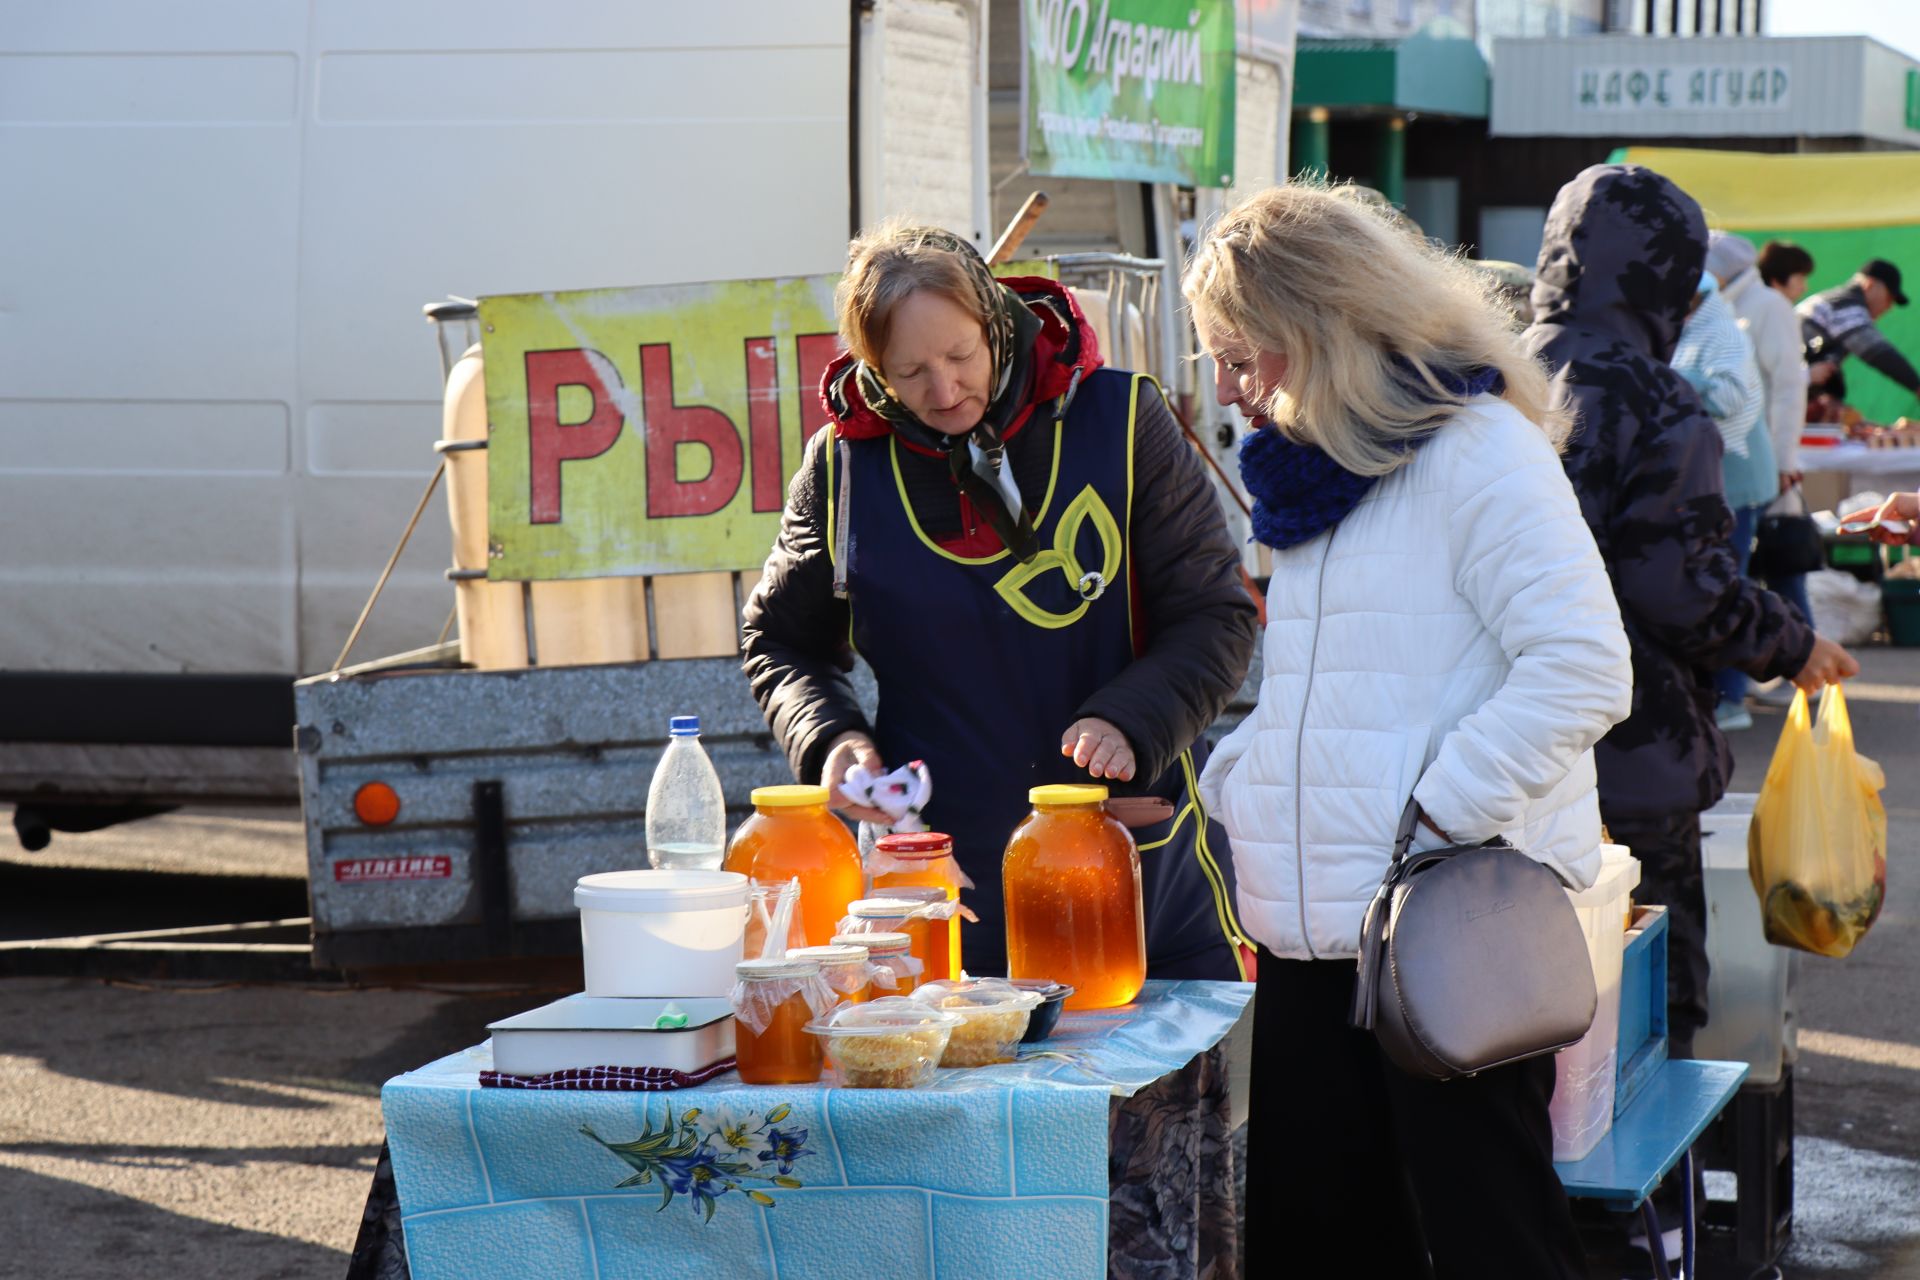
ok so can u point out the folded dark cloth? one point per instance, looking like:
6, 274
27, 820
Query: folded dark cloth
615, 1079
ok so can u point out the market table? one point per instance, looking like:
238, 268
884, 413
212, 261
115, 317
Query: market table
1105, 1150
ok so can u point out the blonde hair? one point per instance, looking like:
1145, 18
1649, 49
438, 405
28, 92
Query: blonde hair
887, 262
1354, 301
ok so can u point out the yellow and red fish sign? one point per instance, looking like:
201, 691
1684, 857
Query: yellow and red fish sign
648, 430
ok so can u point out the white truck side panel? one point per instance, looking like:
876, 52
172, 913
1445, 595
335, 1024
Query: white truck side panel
217, 398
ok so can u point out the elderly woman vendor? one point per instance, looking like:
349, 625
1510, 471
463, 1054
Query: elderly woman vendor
1027, 554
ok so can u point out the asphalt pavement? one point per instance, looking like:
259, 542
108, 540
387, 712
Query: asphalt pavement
231, 1131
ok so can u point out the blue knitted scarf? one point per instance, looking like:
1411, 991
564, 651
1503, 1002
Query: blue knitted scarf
1299, 492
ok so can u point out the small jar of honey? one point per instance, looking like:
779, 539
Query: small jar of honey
1072, 881
922, 860
895, 970
792, 833
892, 914
773, 1001
845, 966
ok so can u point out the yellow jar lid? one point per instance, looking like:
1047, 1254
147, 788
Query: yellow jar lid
1068, 793
791, 796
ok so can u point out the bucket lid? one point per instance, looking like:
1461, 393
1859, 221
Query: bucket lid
789, 796
915, 844
1067, 793
767, 968
660, 890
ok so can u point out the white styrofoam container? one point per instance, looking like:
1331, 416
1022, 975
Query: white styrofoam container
1747, 976
1582, 1107
661, 933
602, 1031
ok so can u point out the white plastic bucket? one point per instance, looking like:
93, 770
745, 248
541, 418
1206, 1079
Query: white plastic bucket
1582, 1108
661, 933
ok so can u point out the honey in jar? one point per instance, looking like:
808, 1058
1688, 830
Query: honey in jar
845, 967
791, 833
937, 955
922, 860
896, 915
1072, 880
892, 952
773, 1001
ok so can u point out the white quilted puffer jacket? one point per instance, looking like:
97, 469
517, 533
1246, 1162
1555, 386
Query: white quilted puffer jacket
1455, 638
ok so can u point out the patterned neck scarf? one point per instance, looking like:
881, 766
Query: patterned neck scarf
977, 459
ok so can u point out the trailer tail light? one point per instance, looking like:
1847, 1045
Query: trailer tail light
376, 804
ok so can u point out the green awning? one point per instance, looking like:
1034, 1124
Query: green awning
1436, 74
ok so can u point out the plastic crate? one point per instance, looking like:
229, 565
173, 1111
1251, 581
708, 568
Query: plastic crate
1901, 597
1643, 1005
1753, 1140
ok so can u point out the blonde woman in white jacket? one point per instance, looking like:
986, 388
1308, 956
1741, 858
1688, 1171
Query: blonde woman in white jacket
1440, 626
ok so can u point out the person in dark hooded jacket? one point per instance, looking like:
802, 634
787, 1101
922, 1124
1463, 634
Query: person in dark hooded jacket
1026, 552
1619, 264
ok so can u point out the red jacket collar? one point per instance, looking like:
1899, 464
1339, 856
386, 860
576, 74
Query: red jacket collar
1064, 347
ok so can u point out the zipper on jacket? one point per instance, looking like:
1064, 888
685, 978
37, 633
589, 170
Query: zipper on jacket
1299, 741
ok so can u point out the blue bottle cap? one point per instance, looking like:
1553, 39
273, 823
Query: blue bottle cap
684, 726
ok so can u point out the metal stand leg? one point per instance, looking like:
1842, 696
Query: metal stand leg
1689, 1221
1656, 1242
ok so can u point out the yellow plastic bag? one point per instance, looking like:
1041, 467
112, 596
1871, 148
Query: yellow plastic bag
1817, 850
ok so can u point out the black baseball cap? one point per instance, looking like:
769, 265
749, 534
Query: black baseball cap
1887, 274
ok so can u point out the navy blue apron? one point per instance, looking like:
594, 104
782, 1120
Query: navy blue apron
982, 663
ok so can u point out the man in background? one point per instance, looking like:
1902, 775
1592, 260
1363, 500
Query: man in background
1842, 322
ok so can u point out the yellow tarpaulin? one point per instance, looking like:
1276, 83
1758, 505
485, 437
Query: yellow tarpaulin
1747, 190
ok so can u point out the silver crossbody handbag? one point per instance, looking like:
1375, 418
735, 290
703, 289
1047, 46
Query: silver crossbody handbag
1471, 957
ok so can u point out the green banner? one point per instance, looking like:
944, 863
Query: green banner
1130, 90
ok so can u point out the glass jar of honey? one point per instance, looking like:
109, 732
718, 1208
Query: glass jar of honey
792, 833
895, 970
922, 860
773, 1001
1072, 881
896, 915
845, 967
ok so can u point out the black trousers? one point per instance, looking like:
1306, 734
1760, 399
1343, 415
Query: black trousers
1668, 848
1369, 1172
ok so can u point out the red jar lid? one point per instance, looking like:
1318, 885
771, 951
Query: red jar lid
917, 844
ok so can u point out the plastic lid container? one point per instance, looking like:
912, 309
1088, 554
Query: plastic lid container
1619, 874
790, 796
916, 845
772, 968
889, 1043
683, 726
660, 890
993, 1014
1067, 793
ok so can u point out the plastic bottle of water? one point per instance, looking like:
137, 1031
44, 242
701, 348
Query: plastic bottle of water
686, 813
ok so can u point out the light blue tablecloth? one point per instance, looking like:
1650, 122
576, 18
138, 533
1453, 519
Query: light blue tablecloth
994, 1171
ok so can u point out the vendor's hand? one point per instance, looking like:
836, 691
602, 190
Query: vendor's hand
1827, 664
1901, 506
1820, 371
1099, 748
1788, 479
848, 750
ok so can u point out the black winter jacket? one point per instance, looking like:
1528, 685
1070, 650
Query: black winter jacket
1618, 266
1199, 618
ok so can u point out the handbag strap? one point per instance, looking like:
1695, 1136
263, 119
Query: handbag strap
1409, 824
